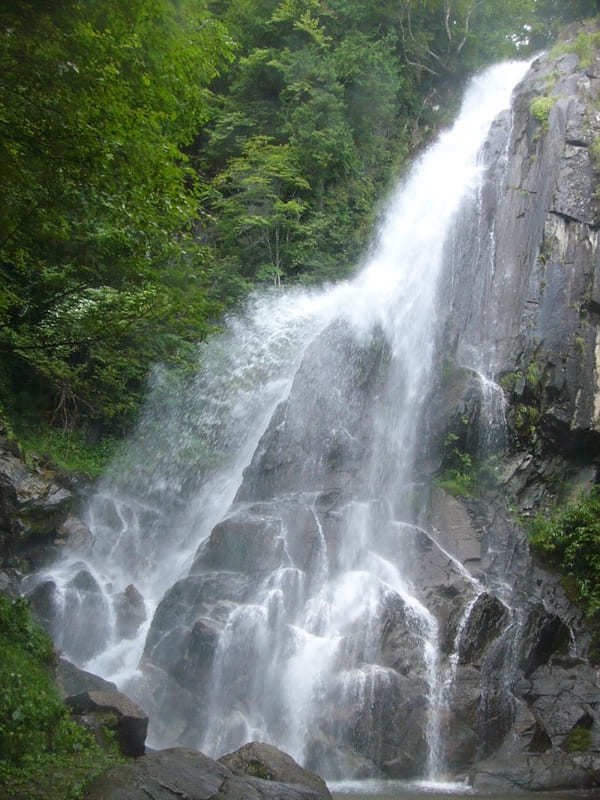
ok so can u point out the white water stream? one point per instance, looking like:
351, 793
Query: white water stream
301, 639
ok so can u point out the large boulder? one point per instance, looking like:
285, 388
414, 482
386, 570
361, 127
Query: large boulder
72, 680
184, 773
96, 709
249, 540
130, 612
318, 439
262, 760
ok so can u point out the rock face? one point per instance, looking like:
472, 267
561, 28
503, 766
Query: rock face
97, 709
34, 503
179, 772
530, 313
36, 520
536, 313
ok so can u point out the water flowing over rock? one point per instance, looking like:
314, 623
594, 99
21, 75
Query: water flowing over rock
292, 563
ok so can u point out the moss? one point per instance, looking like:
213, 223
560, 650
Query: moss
584, 46
579, 740
258, 770
534, 373
510, 380
526, 419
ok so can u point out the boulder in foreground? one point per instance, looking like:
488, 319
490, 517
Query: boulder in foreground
183, 773
260, 760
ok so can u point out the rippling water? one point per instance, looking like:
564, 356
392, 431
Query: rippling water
395, 790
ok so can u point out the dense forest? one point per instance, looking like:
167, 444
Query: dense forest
161, 158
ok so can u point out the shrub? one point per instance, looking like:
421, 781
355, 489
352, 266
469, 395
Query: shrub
43, 753
569, 539
540, 108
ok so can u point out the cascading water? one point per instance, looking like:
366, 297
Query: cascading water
256, 571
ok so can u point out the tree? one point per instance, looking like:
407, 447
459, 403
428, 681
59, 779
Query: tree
97, 101
261, 206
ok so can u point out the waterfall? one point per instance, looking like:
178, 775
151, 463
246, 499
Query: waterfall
256, 570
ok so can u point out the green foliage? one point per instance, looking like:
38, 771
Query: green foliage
161, 157
540, 108
585, 45
68, 449
569, 539
458, 476
579, 740
42, 752
526, 419
101, 275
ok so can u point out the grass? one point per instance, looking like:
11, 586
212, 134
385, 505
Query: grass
67, 449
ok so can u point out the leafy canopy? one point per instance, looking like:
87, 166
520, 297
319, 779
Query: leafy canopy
97, 102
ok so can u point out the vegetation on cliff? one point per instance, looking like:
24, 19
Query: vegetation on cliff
43, 753
569, 539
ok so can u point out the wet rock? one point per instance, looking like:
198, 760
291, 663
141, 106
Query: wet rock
72, 680
323, 751
529, 733
130, 721
213, 595
44, 603
86, 608
130, 612
486, 622
379, 715
187, 773
318, 440
454, 529
261, 760
76, 533
564, 699
459, 724
195, 654
176, 712
536, 772
544, 635
247, 541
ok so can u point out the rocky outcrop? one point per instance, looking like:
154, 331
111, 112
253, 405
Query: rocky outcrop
99, 710
36, 504
71, 680
536, 281
520, 307
327, 454
186, 773
261, 760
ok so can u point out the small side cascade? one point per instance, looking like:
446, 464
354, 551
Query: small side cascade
492, 415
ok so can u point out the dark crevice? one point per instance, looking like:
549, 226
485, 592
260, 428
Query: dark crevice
576, 143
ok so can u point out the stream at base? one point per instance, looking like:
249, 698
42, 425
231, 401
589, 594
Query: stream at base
423, 790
